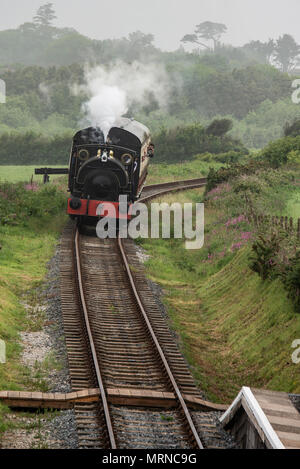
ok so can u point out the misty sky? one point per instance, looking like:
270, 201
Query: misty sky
168, 20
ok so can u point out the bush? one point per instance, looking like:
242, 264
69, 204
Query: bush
182, 143
275, 255
277, 153
250, 183
224, 174
264, 250
228, 157
292, 130
291, 280
294, 157
18, 202
219, 127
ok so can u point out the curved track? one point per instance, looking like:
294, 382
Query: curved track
117, 339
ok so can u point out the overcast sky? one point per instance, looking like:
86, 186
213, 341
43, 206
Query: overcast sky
168, 20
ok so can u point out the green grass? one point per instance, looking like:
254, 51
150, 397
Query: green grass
27, 243
158, 172
234, 329
246, 329
163, 172
293, 205
23, 173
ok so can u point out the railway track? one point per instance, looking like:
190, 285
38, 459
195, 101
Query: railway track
117, 339
155, 190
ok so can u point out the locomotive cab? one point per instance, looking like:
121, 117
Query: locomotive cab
101, 170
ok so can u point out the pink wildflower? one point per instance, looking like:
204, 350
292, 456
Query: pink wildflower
246, 235
31, 187
236, 246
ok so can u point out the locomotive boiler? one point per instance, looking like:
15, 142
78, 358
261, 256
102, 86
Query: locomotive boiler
102, 169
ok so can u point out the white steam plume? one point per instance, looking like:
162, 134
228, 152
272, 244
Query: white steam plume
113, 89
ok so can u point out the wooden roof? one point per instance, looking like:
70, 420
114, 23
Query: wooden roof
273, 415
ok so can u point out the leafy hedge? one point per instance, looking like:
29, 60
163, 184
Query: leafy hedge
277, 153
31, 148
182, 143
178, 144
228, 157
224, 174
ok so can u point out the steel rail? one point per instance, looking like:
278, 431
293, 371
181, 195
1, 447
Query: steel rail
171, 186
92, 346
177, 185
183, 182
158, 347
167, 187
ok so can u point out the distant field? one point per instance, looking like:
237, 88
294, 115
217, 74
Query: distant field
22, 173
157, 172
163, 172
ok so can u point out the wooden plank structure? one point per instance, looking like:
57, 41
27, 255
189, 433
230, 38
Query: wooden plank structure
119, 396
263, 419
46, 171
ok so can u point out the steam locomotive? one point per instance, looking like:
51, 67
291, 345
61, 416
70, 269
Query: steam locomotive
102, 169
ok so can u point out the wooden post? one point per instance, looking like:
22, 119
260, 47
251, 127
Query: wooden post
46, 178
298, 229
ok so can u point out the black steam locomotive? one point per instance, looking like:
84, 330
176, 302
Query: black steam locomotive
101, 170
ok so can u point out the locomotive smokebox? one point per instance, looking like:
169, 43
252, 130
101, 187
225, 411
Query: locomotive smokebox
102, 185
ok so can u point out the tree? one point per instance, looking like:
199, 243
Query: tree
139, 39
208, 31
219, 127
287, 53
262, 50
45, 15
293, 129
211, 31
27, 27
193, 38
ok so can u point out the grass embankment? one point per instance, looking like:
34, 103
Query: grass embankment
30, 223
235, 329
163, 172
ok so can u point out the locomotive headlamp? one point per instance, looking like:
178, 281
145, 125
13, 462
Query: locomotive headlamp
111, 154
83, 154
126, 159
104, 157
